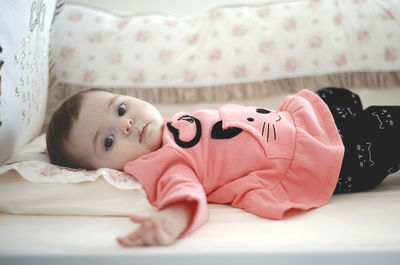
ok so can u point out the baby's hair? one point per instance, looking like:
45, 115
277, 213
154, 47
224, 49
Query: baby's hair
60, 127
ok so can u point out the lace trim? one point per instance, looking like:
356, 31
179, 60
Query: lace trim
33, 165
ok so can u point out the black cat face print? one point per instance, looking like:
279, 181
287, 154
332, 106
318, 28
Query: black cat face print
268, 129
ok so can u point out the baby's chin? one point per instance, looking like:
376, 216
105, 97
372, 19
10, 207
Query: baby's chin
155, 141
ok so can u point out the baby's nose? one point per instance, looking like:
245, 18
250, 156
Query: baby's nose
127, 126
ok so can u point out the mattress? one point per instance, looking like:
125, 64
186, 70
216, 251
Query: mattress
356, 228
359, 228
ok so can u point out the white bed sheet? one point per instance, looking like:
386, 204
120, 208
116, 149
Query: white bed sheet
358, 228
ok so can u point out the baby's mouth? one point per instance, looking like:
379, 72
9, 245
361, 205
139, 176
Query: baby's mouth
142, 133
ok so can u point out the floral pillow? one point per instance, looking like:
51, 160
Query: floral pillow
231, 52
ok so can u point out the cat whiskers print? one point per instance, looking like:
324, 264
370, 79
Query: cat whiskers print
267, 128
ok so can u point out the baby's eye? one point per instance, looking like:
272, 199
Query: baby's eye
108, 142
122, 109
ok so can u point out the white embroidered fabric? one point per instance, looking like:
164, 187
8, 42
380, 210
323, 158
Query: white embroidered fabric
33, 165
24, 71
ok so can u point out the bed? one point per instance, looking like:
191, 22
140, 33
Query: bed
57, 215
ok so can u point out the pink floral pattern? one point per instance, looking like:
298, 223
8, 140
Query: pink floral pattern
142, 36
340, 60
138, 77
240, 71
215, 55
232, 44
239, 30
264, 12
192, 39
390, 54
189, 76
316, 42
75, 16
66, 52
291, 65
95, 37
362, 35
116, 58
387, 15
290, 24
337, 20
89, 76
266, 46
165, 56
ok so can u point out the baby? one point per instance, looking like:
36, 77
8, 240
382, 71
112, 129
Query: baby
263, 161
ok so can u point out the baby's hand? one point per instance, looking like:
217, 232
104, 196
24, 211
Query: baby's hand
160, 228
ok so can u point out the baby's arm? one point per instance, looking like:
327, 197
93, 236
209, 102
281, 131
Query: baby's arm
160, 228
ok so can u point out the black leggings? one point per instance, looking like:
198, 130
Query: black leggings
371, 138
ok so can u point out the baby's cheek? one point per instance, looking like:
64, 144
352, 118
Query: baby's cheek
124, 153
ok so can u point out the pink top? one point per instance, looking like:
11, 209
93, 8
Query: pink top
260, 160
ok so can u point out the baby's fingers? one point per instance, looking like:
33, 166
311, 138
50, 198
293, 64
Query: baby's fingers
161, 236
130, 242
143, 236
144, 220
134, 239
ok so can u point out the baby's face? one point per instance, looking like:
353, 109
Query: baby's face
113, 129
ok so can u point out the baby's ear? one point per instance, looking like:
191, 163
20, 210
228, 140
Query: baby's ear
218, 132
262, 111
